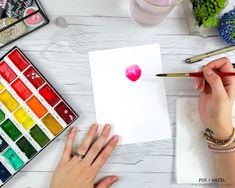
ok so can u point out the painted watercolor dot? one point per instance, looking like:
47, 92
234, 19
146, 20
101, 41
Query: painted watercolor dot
71, 117
133, 72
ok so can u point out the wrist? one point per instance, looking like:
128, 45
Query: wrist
221, 131
221, 146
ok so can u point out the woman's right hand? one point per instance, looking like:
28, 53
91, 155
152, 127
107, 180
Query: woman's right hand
216, 98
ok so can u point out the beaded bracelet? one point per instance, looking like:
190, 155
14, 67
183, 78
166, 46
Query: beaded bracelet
229, 150
221, 143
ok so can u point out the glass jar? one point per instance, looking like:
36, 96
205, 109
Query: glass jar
151, 12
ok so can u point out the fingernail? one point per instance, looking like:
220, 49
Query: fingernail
116, 138
74, 129
115, 178
94, 125
107, 126
201, 90
73, 132
195, 85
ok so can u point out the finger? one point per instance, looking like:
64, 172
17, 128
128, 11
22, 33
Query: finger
84, 147
231, 91
207, 88
202, 87
67, 154
107, 182
199, 84
198, 81
202, 82
222, 65
105, 154
98, 145
215, 83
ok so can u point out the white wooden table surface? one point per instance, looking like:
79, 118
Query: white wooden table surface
60, 52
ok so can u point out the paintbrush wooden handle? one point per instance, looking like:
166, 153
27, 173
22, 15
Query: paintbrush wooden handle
194, 74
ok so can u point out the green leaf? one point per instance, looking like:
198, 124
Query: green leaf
206, 11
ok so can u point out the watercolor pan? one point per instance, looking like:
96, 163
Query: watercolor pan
4, 173
13, 159
18, 19
3, 144
32, 113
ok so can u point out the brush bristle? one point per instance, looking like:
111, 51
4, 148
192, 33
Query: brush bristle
161, 75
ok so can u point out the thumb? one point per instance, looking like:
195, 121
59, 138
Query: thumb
107, 182
215, 82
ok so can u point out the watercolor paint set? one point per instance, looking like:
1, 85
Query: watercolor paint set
19, 18
32, 113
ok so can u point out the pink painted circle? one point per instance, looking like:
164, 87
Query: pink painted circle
133, 72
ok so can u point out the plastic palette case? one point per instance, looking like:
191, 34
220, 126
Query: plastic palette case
19, 18
32, 113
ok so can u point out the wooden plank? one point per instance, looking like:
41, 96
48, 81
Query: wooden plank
137, 180
104, 8
64, 51
89, 33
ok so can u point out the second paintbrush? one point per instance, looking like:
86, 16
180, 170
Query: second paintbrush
194, 74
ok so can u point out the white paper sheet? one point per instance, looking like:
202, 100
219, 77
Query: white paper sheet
137, 110
194, 162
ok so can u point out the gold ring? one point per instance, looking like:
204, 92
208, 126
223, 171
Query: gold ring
80, 156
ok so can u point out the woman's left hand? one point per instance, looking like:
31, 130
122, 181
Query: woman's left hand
80, 170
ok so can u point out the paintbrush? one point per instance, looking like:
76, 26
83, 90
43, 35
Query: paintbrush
209, 54
194, 74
